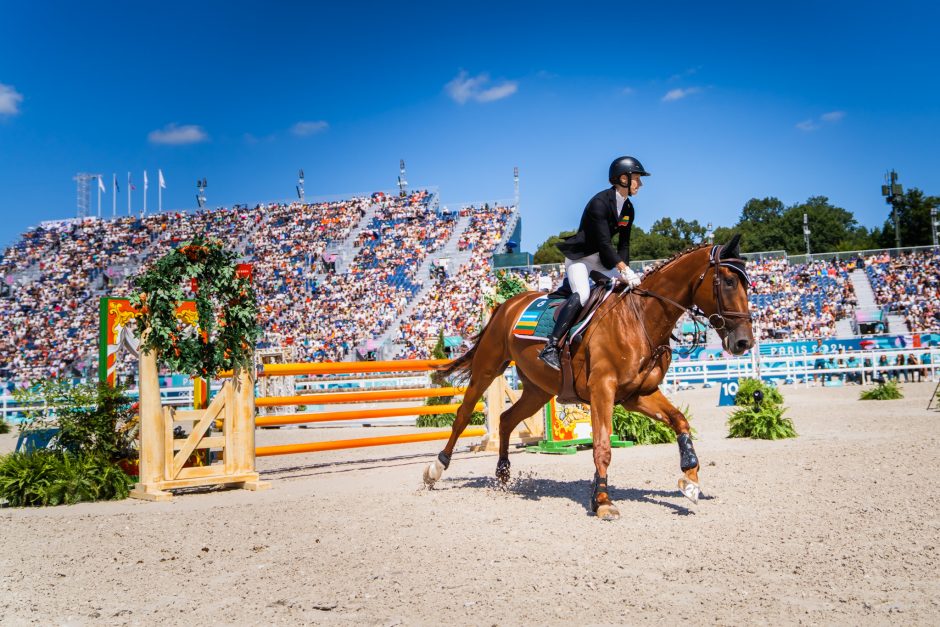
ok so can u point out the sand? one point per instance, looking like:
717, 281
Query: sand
840, 525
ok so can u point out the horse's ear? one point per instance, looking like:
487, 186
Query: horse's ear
730, 250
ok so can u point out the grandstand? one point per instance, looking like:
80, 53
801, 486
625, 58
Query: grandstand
334, 279
382, 275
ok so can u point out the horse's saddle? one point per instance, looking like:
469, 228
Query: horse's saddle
538, 320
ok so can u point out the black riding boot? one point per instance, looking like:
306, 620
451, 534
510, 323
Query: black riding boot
569, 311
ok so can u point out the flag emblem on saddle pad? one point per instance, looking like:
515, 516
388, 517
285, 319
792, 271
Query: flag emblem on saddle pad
530, 317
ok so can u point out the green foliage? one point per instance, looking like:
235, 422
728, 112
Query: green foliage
665, 238
747, 387
914, 218
886, 391
4, 426
548, 251
48, 477
447, 420
639, 428
92, 419
202, 346
507, 286
761, 422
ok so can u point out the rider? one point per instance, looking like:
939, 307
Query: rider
608, 212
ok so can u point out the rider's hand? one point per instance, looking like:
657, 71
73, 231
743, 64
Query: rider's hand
628, 275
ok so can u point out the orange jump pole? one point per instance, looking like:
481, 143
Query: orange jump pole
313, 447
350, 367
392, 412
354, 397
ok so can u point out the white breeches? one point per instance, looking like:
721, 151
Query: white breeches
578, 271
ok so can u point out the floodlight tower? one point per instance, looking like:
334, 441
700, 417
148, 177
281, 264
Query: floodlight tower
300, 186
709, 234
201, 186
892, 192
83, 195
515, 185
933, 225
809, 254
402, 182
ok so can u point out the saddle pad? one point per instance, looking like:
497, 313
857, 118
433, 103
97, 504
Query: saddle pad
538, 319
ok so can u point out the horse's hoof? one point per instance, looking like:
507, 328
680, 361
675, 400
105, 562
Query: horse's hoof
689, 489
502, 471
433, 472
608, 511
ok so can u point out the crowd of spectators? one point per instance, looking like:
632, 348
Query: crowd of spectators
54, 274
800, 301
908, 285
454, 304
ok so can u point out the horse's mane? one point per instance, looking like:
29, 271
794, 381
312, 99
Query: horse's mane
662, 264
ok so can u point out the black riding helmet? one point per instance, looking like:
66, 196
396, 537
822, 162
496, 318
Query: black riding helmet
625, 165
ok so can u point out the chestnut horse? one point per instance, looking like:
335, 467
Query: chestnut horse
622, 358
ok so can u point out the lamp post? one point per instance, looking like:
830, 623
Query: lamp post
892, 191
402, 183
809, 254
709, 234
933, 225
300, 186
201, 186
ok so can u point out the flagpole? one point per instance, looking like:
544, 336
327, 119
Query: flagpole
100, 185
128, 193
114, 194
159, 191
145, 194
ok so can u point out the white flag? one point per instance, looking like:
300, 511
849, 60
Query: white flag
160, 180
145, 180
101, 185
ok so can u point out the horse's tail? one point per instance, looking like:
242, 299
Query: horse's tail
460, 368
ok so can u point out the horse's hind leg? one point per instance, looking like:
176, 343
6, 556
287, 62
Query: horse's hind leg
532, 399
479, 381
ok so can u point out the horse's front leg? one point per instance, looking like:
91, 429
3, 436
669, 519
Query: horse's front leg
602, 407
658, 407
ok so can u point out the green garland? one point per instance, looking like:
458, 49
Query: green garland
205, 348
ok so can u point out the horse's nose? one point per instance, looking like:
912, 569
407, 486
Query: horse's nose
743, 345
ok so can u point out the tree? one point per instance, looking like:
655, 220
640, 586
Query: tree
548, 251
914, 217
760, 225
829, 226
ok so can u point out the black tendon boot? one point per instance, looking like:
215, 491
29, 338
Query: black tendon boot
569, 311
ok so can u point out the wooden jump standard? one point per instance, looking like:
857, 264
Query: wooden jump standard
163, 457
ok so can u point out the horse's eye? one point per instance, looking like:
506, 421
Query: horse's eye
729, 281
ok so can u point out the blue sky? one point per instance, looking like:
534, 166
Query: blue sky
721, 102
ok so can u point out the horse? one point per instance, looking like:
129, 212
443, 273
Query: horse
622, 358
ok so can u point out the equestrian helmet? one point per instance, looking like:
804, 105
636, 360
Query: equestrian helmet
625, 165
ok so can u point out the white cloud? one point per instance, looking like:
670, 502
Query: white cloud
465, 87
826, 118
680, 93
807, 125
302, 129
10, 100
173, 135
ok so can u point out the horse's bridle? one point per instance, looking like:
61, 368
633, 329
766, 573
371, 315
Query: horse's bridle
735, 264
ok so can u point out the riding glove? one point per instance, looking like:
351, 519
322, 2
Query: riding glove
630, 277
